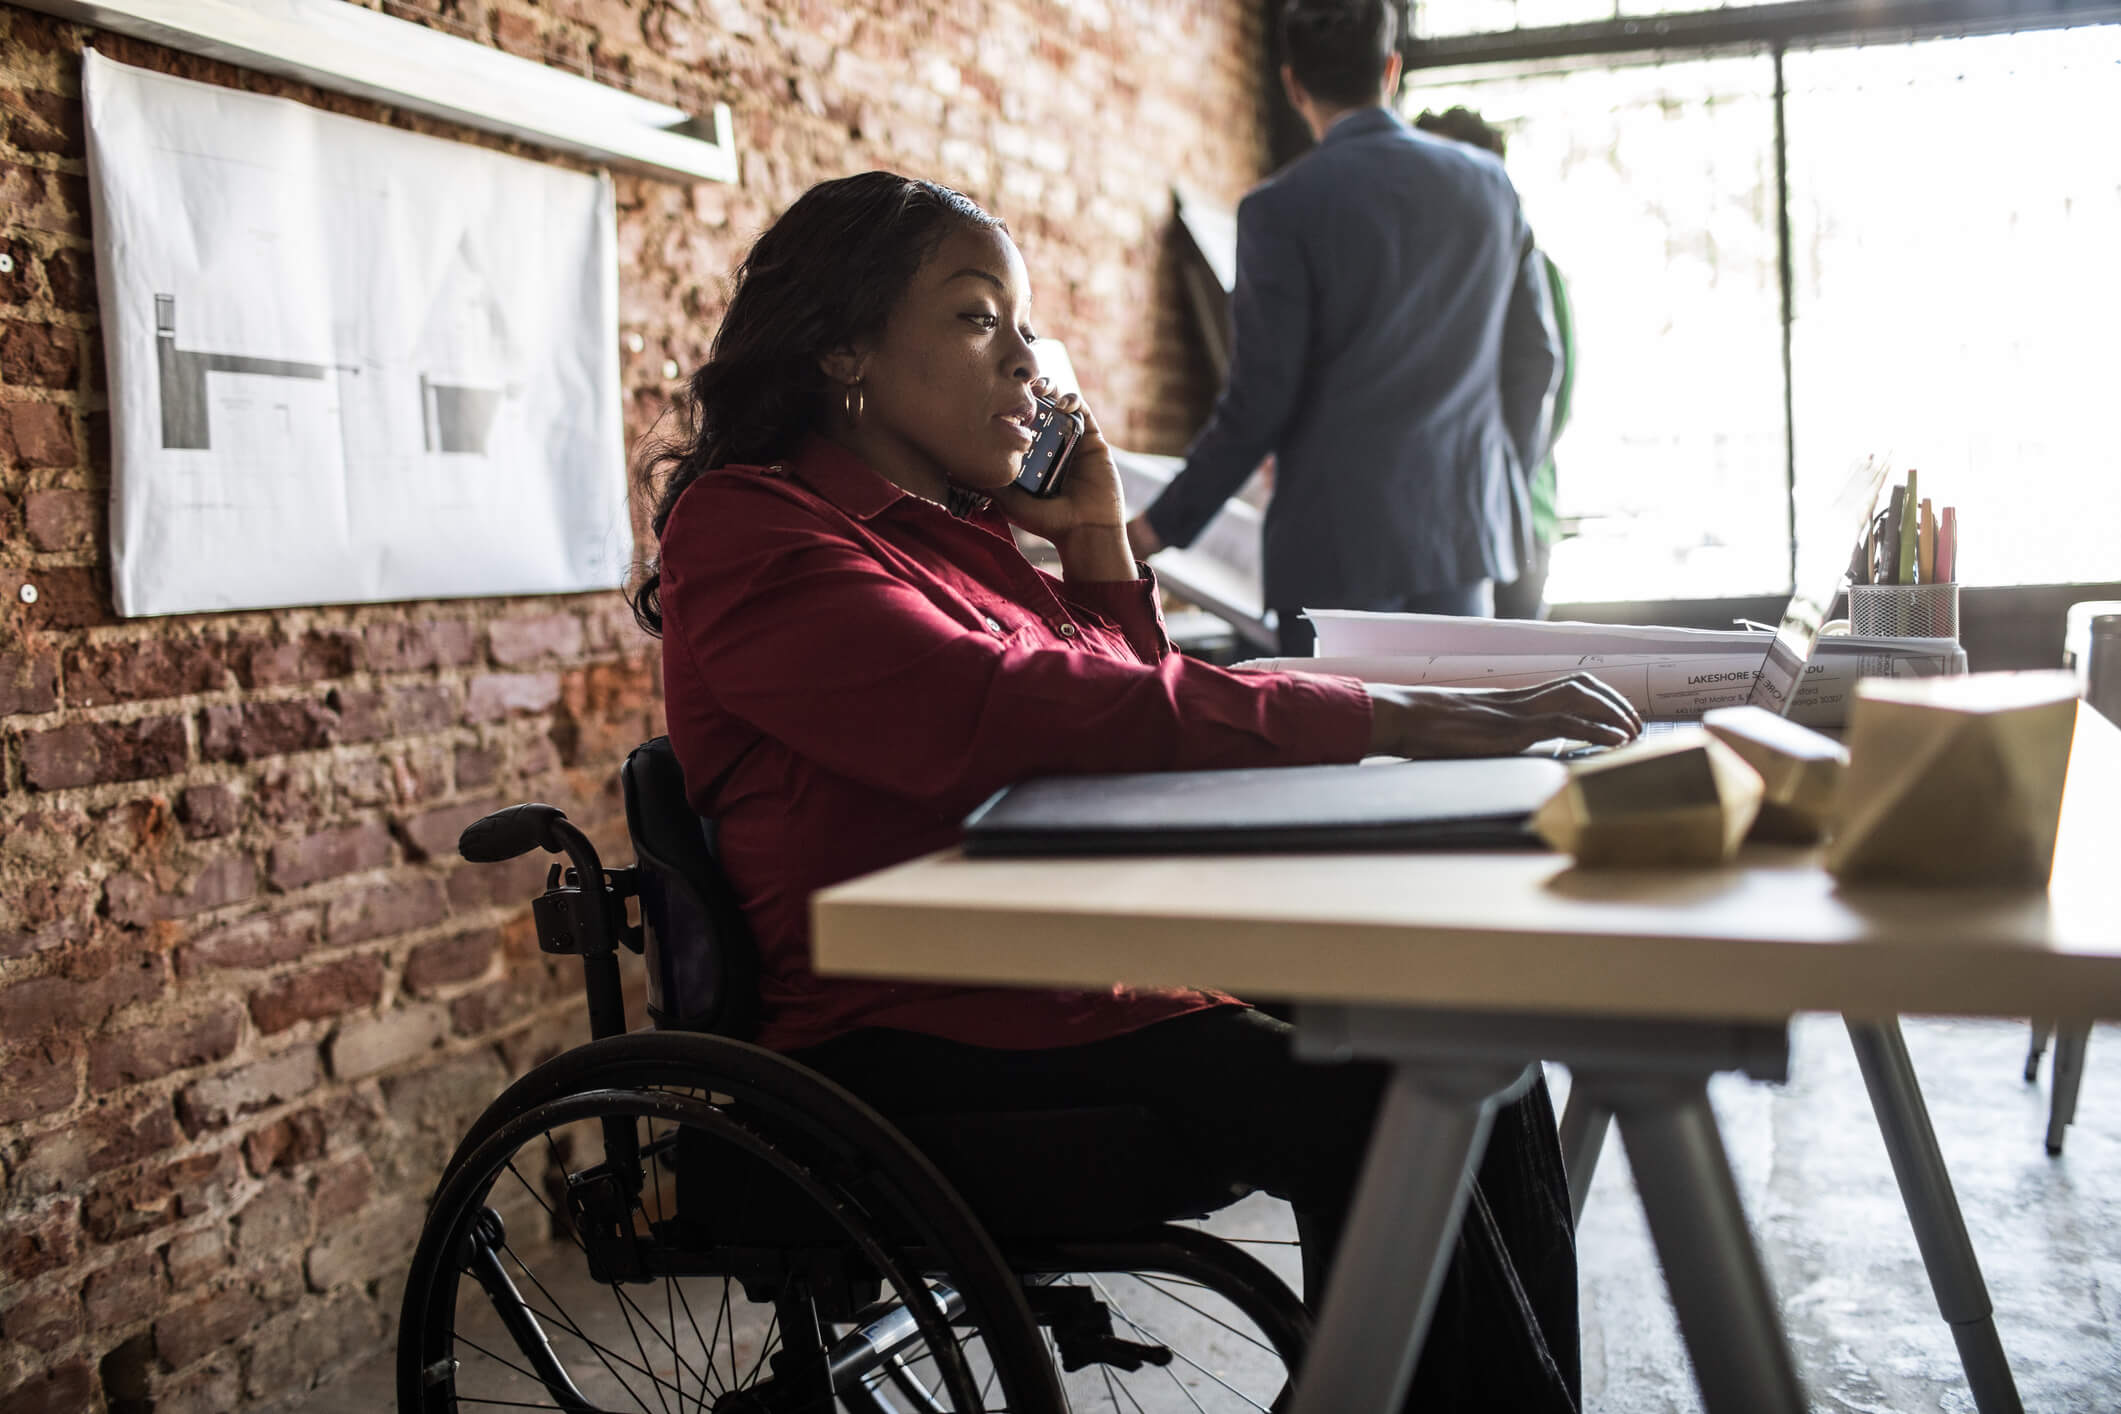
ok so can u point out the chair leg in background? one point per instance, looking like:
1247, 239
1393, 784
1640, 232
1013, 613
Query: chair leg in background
2070, 1041
2041, 1031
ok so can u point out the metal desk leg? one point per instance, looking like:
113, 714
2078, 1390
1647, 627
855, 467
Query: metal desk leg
1432, 1130
1727, 1311
1933, 1210
2070, 1040
1583, 1125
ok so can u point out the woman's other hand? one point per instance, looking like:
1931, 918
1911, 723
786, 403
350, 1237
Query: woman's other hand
1087, 521
1463, 721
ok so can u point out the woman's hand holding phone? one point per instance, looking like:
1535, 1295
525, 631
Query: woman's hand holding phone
1086, 518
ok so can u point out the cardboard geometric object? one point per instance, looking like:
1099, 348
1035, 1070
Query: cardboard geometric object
1800, 771
1685, 799
1955, 780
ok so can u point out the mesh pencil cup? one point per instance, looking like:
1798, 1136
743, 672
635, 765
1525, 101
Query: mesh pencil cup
1904, 610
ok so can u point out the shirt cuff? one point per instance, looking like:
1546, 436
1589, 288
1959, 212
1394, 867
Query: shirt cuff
1134, 606
1336, 715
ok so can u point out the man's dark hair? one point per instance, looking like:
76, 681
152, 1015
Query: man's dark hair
1463, 125
1338, 48
824, 276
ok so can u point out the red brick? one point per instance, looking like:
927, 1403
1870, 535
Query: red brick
63, 519
68, 596
208, 811
19, 285
42, 1078
136, 901
215, 1101
423, 707
517, 882
250, 730
38, 355
328, 990
71, 274
95, 753
148, 1052
46, 123
476, 766
285, 1143
327, 854
125, 1292
187, 1334
44, 1321
363, 716
255, 942
214, 1388
311, 658
37, 1005
341, 1190
514, 642
197, 1256
384, 909
63, 1389
402, 647
101, 673
35, 1242
42, 433
29, 682
62, 1160
446, 960
273, 1221
493, 696
130, 1203
433, 835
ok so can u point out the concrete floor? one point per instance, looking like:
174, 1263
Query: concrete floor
1820, 1194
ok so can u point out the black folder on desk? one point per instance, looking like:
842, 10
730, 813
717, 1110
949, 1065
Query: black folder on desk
1391, 805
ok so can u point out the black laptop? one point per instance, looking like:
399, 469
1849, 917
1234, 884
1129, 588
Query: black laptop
1473, 804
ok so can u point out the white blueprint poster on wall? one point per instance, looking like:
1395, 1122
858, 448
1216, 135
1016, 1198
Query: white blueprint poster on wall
347, 362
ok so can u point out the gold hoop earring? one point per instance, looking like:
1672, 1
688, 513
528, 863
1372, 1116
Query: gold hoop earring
853, 401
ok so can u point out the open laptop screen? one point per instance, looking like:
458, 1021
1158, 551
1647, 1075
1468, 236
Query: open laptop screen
1823, 547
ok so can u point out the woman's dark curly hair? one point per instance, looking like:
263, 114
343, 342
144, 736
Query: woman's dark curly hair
823, 277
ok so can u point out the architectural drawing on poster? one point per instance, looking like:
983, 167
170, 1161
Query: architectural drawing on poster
347, 363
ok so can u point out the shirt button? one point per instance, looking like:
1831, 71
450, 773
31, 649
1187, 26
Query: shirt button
1066, 630
994, 625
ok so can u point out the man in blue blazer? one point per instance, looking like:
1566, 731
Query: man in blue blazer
1392, 347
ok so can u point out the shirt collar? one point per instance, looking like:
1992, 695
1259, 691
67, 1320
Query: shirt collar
1374, 119
850, 483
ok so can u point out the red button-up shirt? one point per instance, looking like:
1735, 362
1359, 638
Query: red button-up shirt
849, 669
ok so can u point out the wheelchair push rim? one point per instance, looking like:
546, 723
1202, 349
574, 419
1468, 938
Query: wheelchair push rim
608, 1349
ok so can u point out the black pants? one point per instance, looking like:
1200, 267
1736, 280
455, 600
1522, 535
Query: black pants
1475, 600
1526, 597
1504, 1336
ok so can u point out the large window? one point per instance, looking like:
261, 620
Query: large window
1954, 287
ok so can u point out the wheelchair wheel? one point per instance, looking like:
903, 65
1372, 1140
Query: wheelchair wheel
680, 1222
1216, 1329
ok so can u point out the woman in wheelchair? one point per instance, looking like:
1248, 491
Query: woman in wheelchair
855, 655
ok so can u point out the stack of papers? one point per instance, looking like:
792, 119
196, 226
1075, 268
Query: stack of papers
1666, 672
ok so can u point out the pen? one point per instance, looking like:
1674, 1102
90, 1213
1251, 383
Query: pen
1910, 513
1889, 551
1927, 531
1948, 546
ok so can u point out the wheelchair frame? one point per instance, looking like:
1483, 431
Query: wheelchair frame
921, 1240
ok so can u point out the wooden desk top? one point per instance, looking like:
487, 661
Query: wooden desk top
1522, 931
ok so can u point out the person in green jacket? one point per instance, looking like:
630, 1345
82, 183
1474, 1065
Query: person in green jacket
1526, 597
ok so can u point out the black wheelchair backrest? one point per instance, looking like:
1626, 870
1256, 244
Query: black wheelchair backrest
702, 963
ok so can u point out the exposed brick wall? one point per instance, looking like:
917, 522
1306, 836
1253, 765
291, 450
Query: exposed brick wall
248, 997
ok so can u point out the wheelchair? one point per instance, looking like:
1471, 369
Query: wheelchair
678, 1220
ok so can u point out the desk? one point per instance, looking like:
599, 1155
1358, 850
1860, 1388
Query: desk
1465, 969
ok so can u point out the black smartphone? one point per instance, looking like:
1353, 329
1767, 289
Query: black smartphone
1053, 436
